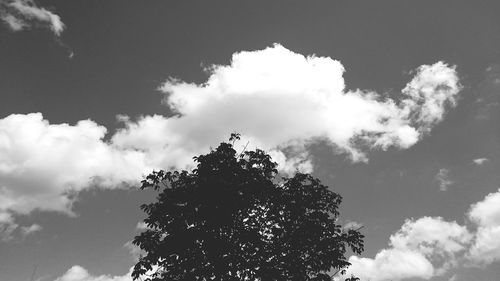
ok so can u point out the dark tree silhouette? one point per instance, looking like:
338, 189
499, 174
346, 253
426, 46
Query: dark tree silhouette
231, 218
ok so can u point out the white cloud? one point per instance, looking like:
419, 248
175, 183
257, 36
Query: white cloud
282, 101
352, 225
391, 264
486, 215
134, 251
141, 226
443, 179
9, 229
24, 14
430, 246
431, 234
435, 238
279, 100
78, 273
42, 165
27, 230
480, 161
487, 211
422, 248
430, 91
486, 249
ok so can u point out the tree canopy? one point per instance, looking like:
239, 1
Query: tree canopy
234, 217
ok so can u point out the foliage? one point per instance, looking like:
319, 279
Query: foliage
231, 219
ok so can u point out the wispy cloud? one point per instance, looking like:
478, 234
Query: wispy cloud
134, 251
19, 15
480, 161
352, 225
443, 179
10, 230
27, 230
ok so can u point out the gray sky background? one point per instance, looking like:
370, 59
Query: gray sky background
113, 56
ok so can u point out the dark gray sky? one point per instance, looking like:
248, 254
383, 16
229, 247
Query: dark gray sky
113, 56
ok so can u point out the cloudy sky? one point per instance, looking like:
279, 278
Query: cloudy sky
393, 104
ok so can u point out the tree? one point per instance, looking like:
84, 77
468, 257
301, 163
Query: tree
234, 218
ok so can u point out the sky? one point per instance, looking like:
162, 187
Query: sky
393, 104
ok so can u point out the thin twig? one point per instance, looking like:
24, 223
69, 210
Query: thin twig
244, 148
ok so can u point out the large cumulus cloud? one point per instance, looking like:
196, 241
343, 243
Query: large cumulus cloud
279, 100
282, 101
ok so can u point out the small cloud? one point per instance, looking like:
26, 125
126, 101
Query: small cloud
134, 250
443, 178
13, 23
27, 230
352, 225
11, 231
141, 226
78, 273
19, 15
480, 161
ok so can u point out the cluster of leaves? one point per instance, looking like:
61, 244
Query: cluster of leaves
230, 219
